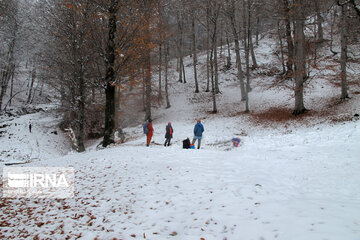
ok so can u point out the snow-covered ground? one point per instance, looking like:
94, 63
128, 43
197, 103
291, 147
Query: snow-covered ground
301, 185
294, 179
46, 140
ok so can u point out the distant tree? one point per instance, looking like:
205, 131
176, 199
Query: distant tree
8, 37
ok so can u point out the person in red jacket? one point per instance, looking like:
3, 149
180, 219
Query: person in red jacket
149, 132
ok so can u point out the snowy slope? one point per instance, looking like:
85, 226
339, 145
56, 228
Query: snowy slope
45, 141
302, 185
292, 179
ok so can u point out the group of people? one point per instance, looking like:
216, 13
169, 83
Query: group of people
149, 131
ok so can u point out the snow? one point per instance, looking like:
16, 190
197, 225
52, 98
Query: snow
296, 180
45, 141
301, 185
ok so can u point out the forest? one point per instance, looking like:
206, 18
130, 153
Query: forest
85, 56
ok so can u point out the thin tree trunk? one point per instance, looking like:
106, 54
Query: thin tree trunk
180, 70
257, 30
247, 56
281, 48
240, 74
180, 48
216, 67
320, 20
343, 57
207, 51
289, 40
81, 114
143, 89
33, 76
183, 69
160, 69
194, 52
251, 45
332, 31
12, 87
228, 59
166, 76
213, 94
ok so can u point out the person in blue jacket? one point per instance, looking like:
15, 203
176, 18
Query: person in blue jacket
198, 131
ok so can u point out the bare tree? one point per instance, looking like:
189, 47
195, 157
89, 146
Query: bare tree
9, 28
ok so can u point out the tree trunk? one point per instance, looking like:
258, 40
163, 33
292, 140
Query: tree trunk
194, 52
180, 48
300, 59
183, 69
148, 89
240, 74
250, 41
166, 76
289, 40
216, 67
228, 58
343, 57
81, 114
320, 20
207, 51
110, 77
160, 69
6, 68
247, 56
33, 76
333, 18
281, 48
11, 88
257, 30
213, 94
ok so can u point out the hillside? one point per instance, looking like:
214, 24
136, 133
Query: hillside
292, 178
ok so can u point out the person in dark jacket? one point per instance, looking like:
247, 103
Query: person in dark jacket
168, 134
149, 133
198, 131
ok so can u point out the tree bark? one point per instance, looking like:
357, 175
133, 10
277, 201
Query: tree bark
300, 59
281, 47
110, 77
216, 67
240, 74
289, 40
166, 76
228, 58
247, 56
33, 76
160, 70
251, 45
148, 89
207, 49
194, 52
180, 47
343, 57
7, 68
320, 20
